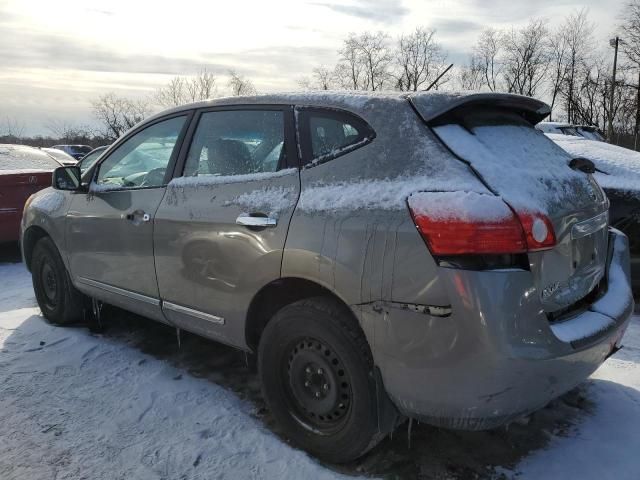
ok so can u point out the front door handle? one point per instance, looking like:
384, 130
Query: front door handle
256, 221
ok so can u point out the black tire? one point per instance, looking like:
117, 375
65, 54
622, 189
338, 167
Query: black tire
61, 303
316, 372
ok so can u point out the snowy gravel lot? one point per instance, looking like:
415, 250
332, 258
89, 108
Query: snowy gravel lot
126, 403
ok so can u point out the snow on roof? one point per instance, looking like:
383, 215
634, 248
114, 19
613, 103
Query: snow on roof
432, 103
620, 166
21, 158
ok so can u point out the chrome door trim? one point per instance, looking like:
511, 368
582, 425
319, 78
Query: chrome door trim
589, 226
119, 291
193, 313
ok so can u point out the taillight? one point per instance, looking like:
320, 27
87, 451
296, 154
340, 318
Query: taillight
462, 223
538, 231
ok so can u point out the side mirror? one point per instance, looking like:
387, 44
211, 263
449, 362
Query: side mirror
66, 178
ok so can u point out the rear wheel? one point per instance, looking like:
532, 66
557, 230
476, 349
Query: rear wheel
317, 377
59, 300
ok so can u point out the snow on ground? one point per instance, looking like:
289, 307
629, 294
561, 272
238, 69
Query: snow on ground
76, 404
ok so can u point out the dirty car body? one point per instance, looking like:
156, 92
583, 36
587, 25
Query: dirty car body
477, 265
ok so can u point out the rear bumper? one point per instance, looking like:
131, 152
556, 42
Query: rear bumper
496, 356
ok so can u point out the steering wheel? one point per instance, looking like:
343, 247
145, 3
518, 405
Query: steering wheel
153, 178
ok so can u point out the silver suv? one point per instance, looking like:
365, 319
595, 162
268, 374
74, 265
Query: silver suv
429, 255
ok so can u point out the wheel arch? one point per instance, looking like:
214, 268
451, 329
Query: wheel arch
279, 293
29, 239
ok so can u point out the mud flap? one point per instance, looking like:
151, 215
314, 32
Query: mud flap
388, 415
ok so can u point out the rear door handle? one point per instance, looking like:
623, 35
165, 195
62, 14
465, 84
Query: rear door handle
261, 221
138, 217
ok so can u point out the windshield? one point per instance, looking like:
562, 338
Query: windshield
18, 157
59, 155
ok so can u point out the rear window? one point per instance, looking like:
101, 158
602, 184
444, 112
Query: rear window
514, 158
13, 157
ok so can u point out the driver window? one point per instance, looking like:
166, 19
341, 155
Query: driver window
142, 160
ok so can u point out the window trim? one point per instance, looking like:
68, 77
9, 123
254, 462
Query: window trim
92, 173
291, 157
303, 113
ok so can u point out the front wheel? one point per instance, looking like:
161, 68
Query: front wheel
317, 377
58, 299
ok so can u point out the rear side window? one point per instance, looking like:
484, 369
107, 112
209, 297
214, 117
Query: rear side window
237, 142
327, 134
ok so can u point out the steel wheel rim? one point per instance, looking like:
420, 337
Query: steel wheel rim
49, 282
318, 386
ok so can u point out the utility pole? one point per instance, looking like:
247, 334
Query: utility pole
614, 42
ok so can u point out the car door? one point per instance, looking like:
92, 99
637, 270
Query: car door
110, 228
221, 228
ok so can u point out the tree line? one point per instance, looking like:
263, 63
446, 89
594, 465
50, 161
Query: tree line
566, 66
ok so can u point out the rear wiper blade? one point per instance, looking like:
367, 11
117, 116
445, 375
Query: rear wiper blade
583, 164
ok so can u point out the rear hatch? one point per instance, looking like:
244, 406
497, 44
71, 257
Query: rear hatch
495, 135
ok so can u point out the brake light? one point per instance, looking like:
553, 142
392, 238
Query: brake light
462, 223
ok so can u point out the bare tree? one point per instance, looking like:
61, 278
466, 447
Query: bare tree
419, 59
364, 61
526, 57
349, 69
12, 128
579, 38
240, 85
631, 47
201, 86
487, 56
172, 94
118, 114
558, 52
181, 90
471, 75
322, 78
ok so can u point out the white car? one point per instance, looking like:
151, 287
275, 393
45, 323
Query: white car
586, 131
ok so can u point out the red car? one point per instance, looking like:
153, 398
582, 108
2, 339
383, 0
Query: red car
23, 171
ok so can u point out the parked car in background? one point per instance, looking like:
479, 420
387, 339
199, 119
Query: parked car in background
586, 131
618, 172
425, 255
90, 158
60, 155
76, 151
23, 171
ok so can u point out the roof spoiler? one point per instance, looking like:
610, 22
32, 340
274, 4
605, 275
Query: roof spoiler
432, 106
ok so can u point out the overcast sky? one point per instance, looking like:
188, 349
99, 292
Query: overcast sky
56, 55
